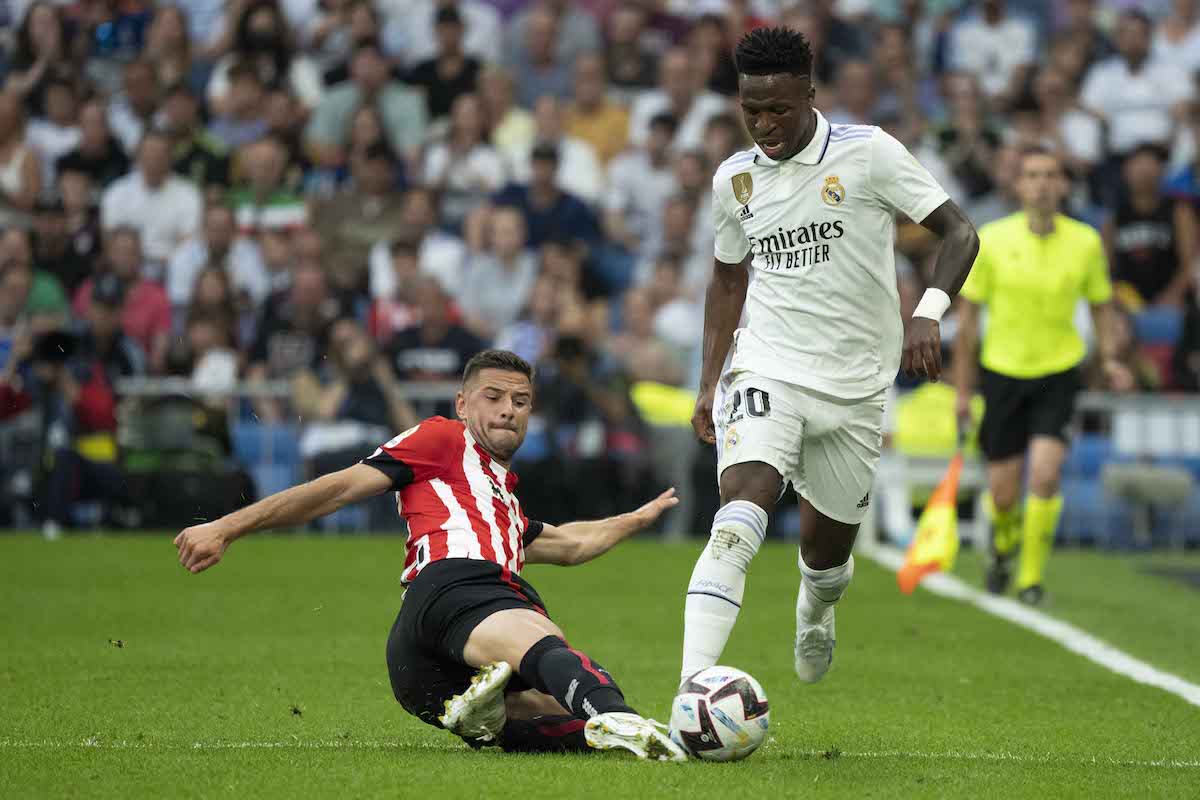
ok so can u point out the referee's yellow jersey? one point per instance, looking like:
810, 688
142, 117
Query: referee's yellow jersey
1031, 286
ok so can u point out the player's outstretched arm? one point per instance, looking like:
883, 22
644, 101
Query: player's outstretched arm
722, 310
201, 546
922, 353
577, 542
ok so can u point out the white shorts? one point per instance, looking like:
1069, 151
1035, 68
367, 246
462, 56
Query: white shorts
826, 447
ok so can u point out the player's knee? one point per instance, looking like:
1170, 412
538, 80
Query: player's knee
1044, 484
738, 530
753, 482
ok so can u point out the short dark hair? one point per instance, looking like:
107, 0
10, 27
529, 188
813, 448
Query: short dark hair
770, 51
1041, 150
496, 359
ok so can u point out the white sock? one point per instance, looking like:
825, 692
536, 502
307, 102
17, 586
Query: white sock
820, 589
714, 594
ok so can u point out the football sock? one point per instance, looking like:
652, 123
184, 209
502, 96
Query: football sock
820, 589
582, 686
1041, 521
714, 595
1006, 527
548, 734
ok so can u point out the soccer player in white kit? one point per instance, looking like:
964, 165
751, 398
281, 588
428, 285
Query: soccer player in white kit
802, 337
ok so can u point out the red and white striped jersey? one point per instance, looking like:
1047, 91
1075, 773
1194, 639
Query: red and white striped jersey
458, 502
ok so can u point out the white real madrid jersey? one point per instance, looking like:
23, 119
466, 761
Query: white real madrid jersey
822, 310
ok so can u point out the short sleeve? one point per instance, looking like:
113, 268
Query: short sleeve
1097, 287
730, 244
418, 454
900, 181
978, 286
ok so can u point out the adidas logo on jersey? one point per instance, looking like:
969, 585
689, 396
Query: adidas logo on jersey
866, 501
745, 213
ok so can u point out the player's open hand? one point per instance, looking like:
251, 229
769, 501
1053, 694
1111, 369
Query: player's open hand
702, 417
649, 513
922, 355
201, 546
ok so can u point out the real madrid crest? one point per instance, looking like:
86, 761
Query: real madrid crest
743, 187
832, 192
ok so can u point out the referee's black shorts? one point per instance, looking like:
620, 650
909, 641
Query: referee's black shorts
1017, 409
442, 606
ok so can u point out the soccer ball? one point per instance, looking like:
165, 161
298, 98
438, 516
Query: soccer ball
720, 714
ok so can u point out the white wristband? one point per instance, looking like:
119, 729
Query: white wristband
933, 304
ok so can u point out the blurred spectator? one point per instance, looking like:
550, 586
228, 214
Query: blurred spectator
163, 207
449, 74
1074, 134
512, 127
20, 175
1140, 374
1133, 95
1079, 26
57, 132
67, 232
265, 201
145, 311
75, 388
16, 338
592, 117
46, 306
499, 275
575, 30
638, 349
209, 354
262, 44
206, 24
344, 23
857, 95
463, 168
997, 48
903, 91
98, 154
639, 182
1185, 361
242, 119
41, 53
967, 141
532, 333
579, 171
218, 246
439, 253
676, 239
196, 154
402, 109
169, 50
1184, 182
1151, 239
680, 92
350, 222
678, 312
109, 35
411, 24
398, 310
723, 136
711, 50
1177, 37
537, 67
212, 295
548, 210
629, 64
131, 112
437, 348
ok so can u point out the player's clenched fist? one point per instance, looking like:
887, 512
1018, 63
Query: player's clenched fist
201, 546
702, 419
922, 354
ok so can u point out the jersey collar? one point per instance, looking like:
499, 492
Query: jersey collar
812, 153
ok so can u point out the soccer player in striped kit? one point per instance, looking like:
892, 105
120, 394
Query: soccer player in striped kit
473, 649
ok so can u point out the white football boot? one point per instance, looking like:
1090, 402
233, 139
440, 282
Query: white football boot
479, 712
814, 647
643, 737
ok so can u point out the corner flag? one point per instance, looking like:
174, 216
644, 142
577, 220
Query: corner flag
935, 545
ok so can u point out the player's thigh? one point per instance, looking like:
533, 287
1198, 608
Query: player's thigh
422, 680
1046, 457
507, 635
1053, 404
1005, 429
837, 467
759, 434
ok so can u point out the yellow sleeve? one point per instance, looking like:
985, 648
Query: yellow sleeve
1097, 288
978, 287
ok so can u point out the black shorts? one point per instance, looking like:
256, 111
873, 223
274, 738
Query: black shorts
1017, 409
442, 606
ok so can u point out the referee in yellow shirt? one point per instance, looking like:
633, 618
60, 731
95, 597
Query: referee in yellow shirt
1032, 270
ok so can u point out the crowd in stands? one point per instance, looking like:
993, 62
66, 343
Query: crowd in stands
352, 196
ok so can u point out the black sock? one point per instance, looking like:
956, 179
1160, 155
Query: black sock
557, 734
582, 686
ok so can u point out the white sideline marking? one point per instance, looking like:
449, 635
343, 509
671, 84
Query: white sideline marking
353, 744
1074, 639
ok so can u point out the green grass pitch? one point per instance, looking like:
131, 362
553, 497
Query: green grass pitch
265, 678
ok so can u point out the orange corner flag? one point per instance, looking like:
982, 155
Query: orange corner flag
935, 545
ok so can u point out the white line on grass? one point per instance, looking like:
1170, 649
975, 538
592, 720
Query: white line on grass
93, 743
1066, 634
